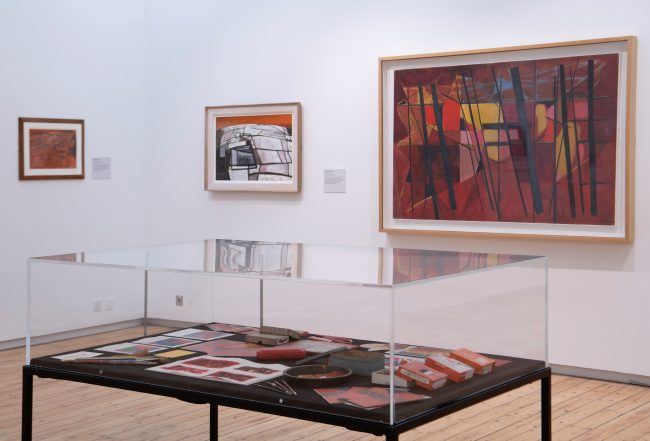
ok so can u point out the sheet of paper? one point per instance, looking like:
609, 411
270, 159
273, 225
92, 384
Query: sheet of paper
130, 348
101, 168
175, 353
168, 342
335, 180
75, 355
226, 348
198, 334
228, 370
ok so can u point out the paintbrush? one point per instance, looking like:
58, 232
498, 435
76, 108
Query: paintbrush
321, 355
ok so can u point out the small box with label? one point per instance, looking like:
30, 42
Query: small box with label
455, 370
482, 365
424, 376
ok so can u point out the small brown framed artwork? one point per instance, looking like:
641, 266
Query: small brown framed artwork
50, 148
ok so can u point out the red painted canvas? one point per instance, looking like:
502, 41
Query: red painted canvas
528, 141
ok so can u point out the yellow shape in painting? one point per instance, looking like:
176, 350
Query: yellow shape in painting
413, 95
485, 113
540, 116
560, 157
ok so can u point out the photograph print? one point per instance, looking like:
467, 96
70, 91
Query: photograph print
518, 141
253, 148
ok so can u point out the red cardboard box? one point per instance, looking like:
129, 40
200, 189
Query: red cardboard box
424, 376
482, 365
455, 370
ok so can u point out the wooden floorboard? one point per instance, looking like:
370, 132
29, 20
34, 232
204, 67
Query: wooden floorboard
583, 410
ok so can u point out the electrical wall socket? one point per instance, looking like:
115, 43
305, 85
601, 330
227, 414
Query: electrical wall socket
109, 303
97, 305
179, 300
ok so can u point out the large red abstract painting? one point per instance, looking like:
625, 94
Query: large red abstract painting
528, 141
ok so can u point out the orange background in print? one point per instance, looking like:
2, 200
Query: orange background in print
283, 120
52, 148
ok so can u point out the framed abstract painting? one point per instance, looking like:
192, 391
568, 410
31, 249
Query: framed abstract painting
253, 148
50, 148
529, 141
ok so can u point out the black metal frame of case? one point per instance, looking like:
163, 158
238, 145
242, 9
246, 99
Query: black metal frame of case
391, 432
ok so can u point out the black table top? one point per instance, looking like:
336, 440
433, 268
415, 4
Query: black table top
307, 398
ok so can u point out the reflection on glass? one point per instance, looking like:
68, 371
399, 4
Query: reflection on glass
245, 256
325, 263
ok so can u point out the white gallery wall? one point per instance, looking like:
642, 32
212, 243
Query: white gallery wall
324, 54
141, 72
69, 59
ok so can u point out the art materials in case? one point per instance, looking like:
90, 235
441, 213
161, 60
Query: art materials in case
266, 339
131, 348
315, 357
455, 370
235, 329
419, 351
366, 397
280, 353
359, 362
175, 353
423, 375
124, 360
291, 333
79, 354
317, 374
226, 348
482, 365
228, 370
198, 334
317, 347
382, 378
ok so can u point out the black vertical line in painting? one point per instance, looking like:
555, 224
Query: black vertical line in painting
502, 115
577, 143
419, 128
481, 165
487, 157
408, 122
530, 148
431, 185
592, 138
471, 153
498, 146
556, 159
534, 130
437, 110
567, 145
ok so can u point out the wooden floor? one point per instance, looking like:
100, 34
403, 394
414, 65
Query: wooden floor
582, 410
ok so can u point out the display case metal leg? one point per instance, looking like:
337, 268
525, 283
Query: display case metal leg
546, 408
392, 436
28, 391
214, 422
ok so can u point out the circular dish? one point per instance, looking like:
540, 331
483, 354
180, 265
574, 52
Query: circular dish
318, 374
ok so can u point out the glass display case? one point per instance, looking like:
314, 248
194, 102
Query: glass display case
374, 339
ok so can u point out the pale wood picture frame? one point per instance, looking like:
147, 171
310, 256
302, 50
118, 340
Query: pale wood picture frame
620, 230
259, 147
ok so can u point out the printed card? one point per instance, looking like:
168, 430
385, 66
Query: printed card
168, 342
228, 370
130, 348
198, 334
75, 355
